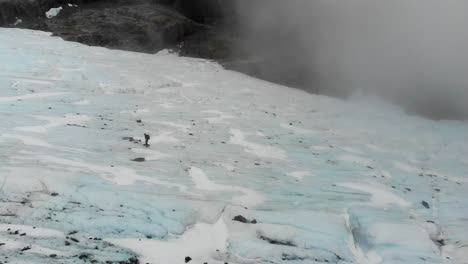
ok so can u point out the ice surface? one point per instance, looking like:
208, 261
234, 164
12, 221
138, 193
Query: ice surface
327, 181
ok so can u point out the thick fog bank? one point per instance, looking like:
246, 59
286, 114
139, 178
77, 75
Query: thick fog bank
414, 52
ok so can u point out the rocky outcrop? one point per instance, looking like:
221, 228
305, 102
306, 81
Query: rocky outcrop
12, 10
139, 26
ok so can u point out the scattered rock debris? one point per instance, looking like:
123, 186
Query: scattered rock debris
131, 139
277, 241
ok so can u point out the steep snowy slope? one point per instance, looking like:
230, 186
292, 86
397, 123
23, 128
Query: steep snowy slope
327, 181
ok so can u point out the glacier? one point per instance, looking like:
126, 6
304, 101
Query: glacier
326, 180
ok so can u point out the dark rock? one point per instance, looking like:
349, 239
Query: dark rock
132, 260
425, 204
54, 194
25, 249
53, 255
74, 240
240, 218
253, 221
129, 25
188, 259
139, 160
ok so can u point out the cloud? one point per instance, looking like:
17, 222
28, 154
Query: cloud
412, 52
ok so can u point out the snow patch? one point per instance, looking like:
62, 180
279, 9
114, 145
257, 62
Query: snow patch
30, 141
82, 102
53, 12
299, 175
220, 119
117, 175
238, 138
379, 196
181, 127
202, 182
200, 243
151, 155
55, 122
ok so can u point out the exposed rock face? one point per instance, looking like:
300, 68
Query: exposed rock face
140, 26
29, 10
203, 28
204, 11
11, 10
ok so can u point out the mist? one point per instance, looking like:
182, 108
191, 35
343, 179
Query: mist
411, 52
